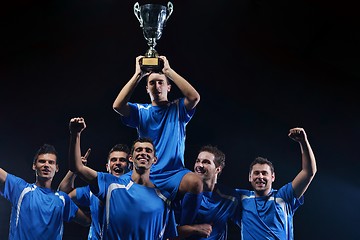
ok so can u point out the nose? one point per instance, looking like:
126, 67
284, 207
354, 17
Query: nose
199, 164
158, 85
143, 153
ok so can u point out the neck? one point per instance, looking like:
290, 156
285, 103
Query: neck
262, 193
159, 102
142, 177
43, 183
209, 185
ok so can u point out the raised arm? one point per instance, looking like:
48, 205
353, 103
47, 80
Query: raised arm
68, 183
120, 104
77, 125
192, 97
302, 181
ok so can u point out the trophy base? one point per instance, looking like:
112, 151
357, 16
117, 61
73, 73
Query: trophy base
151, 64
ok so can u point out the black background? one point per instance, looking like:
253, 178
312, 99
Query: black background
261, 67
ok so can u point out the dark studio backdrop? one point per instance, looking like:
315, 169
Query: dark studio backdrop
261, 67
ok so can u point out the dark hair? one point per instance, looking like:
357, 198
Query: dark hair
262, 160
120, 148
219, 156
219, 159
44, 149
142, 140
167, 79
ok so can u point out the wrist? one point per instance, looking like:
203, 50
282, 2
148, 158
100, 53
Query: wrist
137, 74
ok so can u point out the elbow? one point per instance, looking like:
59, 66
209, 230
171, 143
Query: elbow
313, 168
88, 222
115, 107
311, 174
85, 222
75, 171
120, 109
195, 99
314, 171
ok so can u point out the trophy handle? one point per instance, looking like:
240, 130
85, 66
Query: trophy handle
170, 8
137, 13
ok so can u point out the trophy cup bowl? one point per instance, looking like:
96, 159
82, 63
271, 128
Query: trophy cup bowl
152, 18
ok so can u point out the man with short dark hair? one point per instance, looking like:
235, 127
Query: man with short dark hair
134, 207
117, 164
268, 213
38, 212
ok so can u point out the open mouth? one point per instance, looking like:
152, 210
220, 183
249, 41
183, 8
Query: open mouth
118, 170
200, 170
260, 184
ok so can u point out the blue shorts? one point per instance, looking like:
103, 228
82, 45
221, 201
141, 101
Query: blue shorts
169, 181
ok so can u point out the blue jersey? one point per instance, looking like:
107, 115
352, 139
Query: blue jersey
86, 198
133, 211
168, 182
37, 213
269, 217
166, 126
217, 208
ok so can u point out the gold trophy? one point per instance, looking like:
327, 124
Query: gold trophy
152, 18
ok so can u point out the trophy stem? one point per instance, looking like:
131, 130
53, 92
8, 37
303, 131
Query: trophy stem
151, 52
151, 42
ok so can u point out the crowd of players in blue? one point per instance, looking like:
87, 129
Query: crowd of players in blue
147, 192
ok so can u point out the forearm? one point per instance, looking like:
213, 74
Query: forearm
75, 163
190, 93
184, 232
308, 159
67, 184
125, 93
308, 171
200, 230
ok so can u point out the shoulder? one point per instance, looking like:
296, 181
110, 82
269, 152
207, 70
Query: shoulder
227, 194
286, 188
14, 181
125, 177
107, 177
244, 193
62, 195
